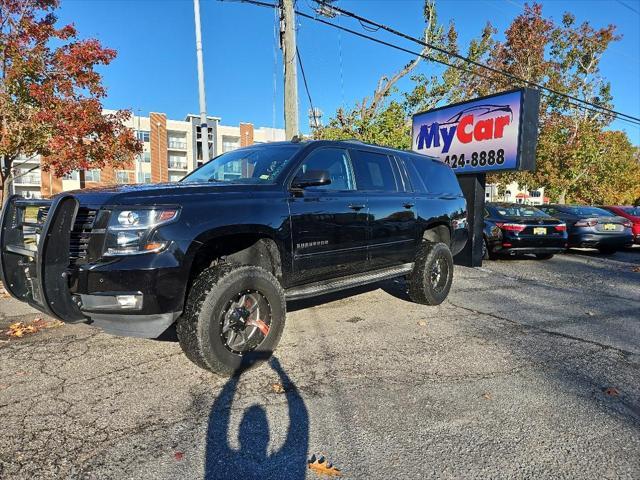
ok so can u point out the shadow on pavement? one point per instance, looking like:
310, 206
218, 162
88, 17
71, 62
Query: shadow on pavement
395, 287
252, 460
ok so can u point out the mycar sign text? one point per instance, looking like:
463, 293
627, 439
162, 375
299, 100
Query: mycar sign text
498, 132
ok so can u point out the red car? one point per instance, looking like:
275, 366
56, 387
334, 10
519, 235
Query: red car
632, 214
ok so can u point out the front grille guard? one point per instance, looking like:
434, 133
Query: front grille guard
37, 272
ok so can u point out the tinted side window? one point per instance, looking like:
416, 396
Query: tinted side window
336, 162
414, 176
374, 171
436, 176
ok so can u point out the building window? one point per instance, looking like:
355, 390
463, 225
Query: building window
143, 135
144, 177
145, 157
92, 175
122, 176
175, 178
71, 176
26, 177
230, 143
177, 162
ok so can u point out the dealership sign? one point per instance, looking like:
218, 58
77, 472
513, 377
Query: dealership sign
498, 132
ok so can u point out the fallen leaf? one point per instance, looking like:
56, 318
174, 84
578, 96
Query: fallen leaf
277, 388
178, 456
422, 323
636, 269
591, 314
20, 329
611, 391
320, 465
487, 396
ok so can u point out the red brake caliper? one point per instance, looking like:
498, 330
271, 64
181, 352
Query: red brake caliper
263, 327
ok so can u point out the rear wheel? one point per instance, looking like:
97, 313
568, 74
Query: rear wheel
430, 280
234, 318
487, 254
544, 256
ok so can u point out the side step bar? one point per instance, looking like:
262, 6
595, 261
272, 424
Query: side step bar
329, 286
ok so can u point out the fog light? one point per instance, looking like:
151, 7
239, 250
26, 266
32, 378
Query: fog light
104, 301
129, 301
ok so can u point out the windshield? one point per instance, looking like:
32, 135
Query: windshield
519, 211
588, 211
635, 211
246, 165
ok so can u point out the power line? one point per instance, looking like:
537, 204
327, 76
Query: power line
597, 109
306, 86
568, 99
624, 4
467, 59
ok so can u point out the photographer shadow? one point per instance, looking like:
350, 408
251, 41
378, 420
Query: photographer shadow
252, 460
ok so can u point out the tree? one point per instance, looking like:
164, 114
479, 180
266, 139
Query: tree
50, 95
375, 119
578, 159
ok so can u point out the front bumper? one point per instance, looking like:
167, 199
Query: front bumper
39, 273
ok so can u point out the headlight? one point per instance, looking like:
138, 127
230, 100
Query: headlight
130, 231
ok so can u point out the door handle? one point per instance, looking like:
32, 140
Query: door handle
408, 205
356, 207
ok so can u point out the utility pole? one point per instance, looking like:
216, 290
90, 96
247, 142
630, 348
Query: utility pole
288, 44
204, 131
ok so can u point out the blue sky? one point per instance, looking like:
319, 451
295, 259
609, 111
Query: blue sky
156, 65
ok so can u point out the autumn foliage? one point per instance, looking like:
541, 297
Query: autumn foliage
579, 157
51, 94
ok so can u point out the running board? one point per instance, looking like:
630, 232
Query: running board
328, 286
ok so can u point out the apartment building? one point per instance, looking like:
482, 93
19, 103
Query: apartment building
171, 149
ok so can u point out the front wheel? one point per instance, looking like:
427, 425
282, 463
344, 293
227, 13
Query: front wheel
430, 280
234, 318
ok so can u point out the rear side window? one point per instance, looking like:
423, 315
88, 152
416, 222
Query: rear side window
431, 176
374, 171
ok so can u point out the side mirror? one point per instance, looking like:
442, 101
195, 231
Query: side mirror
312, 178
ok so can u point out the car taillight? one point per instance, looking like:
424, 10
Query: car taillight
512, 227
561, 227
586, 223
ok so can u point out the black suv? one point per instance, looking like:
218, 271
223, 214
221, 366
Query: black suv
220, 251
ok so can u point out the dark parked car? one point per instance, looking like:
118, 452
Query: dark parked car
221, 251
593, 227
630, 213
512, 228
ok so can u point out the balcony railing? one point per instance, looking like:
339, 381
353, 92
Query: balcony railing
27, 180
177, 145
175, 165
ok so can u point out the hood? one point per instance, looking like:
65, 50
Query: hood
159, 193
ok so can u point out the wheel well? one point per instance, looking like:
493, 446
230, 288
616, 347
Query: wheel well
438, 233
243, 249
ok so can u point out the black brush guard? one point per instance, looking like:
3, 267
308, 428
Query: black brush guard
37, 272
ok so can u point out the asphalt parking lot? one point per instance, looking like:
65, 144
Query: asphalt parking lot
531, 369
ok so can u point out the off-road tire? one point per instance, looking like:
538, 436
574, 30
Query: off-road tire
420, 288
544, 256
199, 327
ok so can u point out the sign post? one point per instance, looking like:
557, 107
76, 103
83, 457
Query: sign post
494, 133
